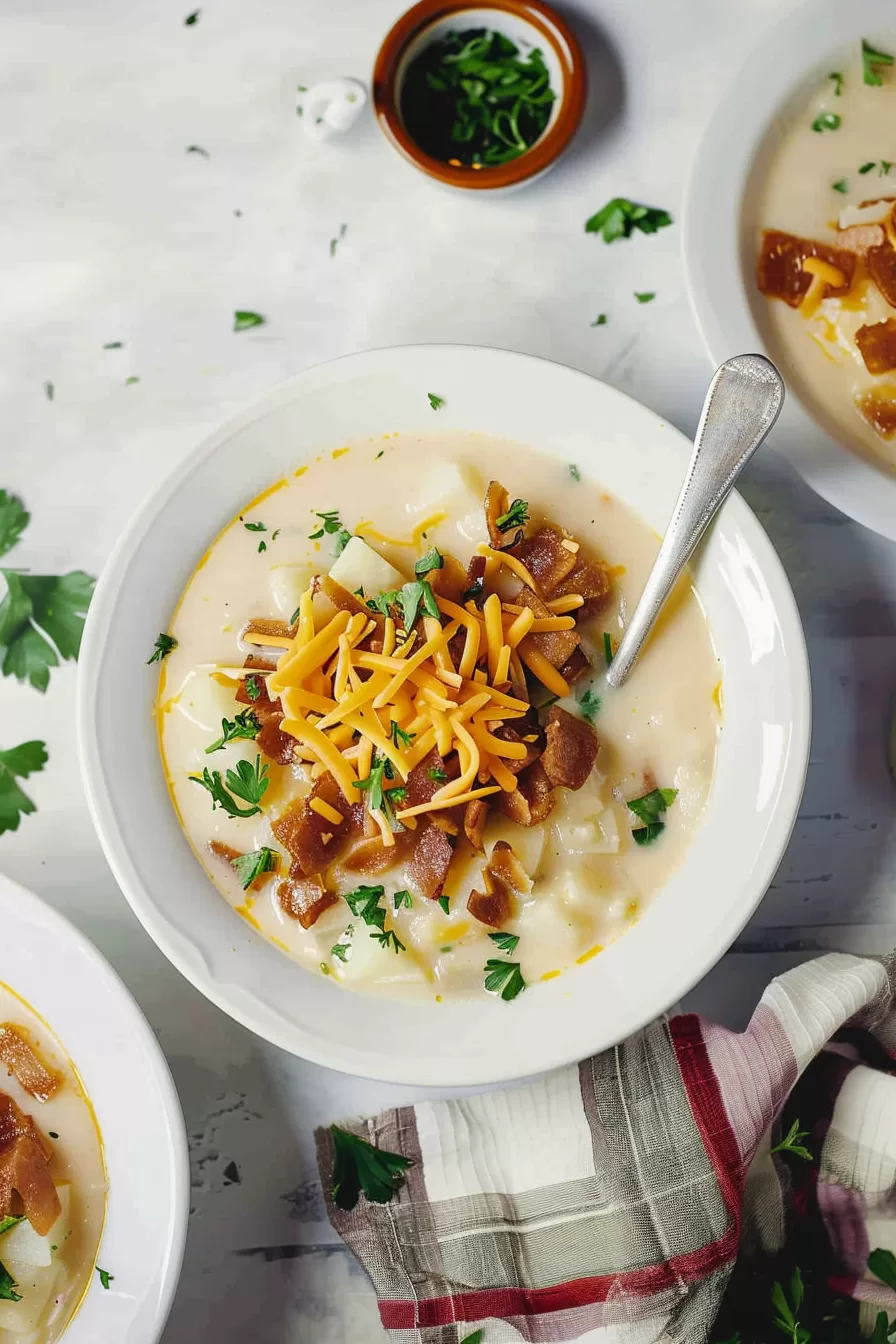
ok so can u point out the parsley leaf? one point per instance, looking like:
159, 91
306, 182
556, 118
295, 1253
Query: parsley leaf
445, 903
647, 296
18, 763
574, 472
192, 18
197, 149
129, 382
475, 1338
373, 787
645, 835
507, 942
37, 607
842, 186
244, 725
253, 687
359, 1166
866, 167
871, 61
885, 167
504, 977
786, 1318
437, 773
793, 1143
164, 645
620, 217
428, 562
105, 1277
435, 402
410, 599
589, 704
399, 737
609, 651
6, 1224
49, 391
389, 938
249, 867
331, 526
600, 320
365, 904
334, 242
516, 516
343, 949
401, 898
14, 518
650, 808
837, 77
255, 527
243, 320
883, 1264
826, 121
113, 345
248, 782
8, 1286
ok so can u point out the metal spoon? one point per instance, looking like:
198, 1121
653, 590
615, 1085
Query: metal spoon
741, 406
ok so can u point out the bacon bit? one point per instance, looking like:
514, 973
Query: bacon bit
881, 263
343, 600
279, 629
779, 271
264, 705
533, 799
527, 732
571, 749
496, 504
590, 580
546, 558
18, 1056
430, 861
421, 787
880, 412
475, 572
371, 856
556, 646
505, 867
449, 582
577, 667
24, 1169
475, 816
304, 898
274, 743
306, 835
877, 345
495, 906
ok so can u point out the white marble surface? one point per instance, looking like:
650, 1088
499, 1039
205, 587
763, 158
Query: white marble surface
110, 231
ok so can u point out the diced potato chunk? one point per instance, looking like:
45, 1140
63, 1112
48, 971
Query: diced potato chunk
370, 961
443, 481
35, 1286
288, 583
527, 842
360, 566
22, 1244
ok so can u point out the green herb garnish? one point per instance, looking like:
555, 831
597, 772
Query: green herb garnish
589, 704
414, 595
359, 1166
164, 645
872, 60
504, 978
445, 904
574, 472
253, 687
244, 725
793, 1143
506, 942
401, 898
866, 167
435, 402
609, 651
331, 526
786, 1318
243, 320
334, 242
35, 611
8, 1286
255, 527
6, 1224
837, 77
249, 867
365, 904
428, 562
247, 782
826, 121
113, 345
650, 809
473, 98
885, 167
473, 593
105, 1277
192, 18
399, 737
600, 320
620, 217
14, 518
647, 296
475, 1338
342, 950
516, 516
389, 938
197, 149
129, 382
437, 773
842, 186
49, 391
384, 602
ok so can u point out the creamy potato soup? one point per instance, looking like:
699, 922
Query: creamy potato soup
826, 241
384, 729
52, 1180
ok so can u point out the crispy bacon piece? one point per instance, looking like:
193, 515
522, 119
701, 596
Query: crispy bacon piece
261, 626
227, 854
591, 580
557, 646
343, 600
421, 787
475, 575
274, 743
505, 867
304, 898
430, 860
18, 1056
26, 1185
497, 501
526, 730
475, 817
881, 263
504, 879
570, 751
859, 238
312, 840
879, 409
576, 667
370, 855
547, 560
533, 799
264, 705
877, 345
779, 271
450, 581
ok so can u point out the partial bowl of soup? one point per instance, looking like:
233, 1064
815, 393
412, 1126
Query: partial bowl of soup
371, 791
91, 1236
790, 242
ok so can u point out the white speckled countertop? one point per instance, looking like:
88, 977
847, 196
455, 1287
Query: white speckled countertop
110, 231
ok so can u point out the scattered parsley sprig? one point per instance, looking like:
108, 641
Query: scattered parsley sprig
620, 217
358, 1166
250, 867
164, 645
504, 978
245, 725
18, 763
650, 809
331, 526
247, 782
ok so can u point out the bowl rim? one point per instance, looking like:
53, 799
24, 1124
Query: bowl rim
546, 150
88, 1317
243, 1006
713, 242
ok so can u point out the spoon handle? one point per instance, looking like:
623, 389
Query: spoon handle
741, 406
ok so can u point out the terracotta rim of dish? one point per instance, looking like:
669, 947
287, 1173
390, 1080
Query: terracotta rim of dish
546, 150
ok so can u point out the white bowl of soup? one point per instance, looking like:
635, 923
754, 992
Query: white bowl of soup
94, 1177
790, 242
372, 791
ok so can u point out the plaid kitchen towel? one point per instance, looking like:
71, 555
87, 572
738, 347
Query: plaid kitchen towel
610, 1201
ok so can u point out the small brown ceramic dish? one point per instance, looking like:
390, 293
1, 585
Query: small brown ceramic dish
529, 23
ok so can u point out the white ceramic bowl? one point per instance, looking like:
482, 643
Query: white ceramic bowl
754, 798
719, 233
66, 981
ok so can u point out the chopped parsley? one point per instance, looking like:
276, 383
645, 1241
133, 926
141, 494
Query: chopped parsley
866, 167
475, 1338
574, 472
842, 186
197, 149
399, 737
262, 546
646, 296
428, 562
436, 772
358, 1166
192, 18
6, 1224
793, 1143
504, 978
14, 518
414, 595
401, 898
36, 610
885, 167
244, 725
620, 217
255, 527
516, 516
105, 1277
600, 320
49, 391
250, 867
365, 905
384, 602
837, 77
435, 402
164, 645
872, 60
113, 345
243, 319
331, 526
334, 242
129, 382
8, 1286
650, 809
379, 455
247, 782
388, 938
373, 785
445, 903
506, 942
342, 950
589, 704
473, 593
609, 651
253, 687
826, 121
